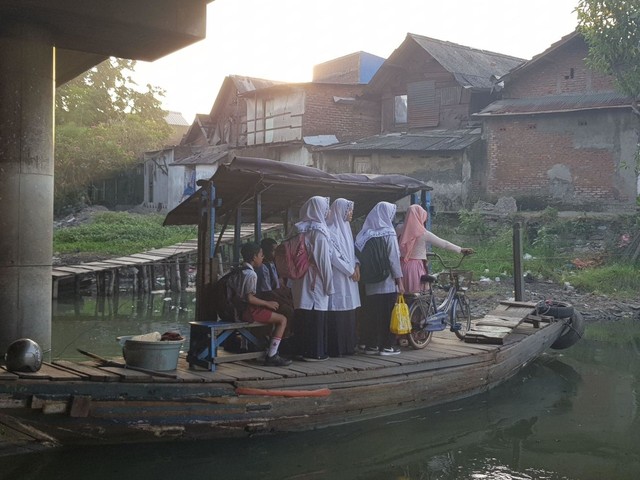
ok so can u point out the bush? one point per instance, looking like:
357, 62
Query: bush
120, 233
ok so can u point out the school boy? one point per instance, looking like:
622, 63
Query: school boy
257, 310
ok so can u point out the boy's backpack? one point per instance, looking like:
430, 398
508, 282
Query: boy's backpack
374, 261
291, 257
225, 300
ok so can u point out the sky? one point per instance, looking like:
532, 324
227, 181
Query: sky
284, 39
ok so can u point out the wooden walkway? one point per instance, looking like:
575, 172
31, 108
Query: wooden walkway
173, 262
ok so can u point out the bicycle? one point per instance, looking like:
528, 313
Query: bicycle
428, 317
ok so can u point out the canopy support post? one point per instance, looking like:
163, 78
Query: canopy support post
257, 227
236, 236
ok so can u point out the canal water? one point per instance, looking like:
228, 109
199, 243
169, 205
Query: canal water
569, 415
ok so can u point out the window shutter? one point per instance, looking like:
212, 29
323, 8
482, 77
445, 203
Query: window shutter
422, 106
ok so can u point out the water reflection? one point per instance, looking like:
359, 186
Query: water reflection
569, 415
92, 323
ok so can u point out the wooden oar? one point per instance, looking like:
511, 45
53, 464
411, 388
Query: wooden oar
111, 363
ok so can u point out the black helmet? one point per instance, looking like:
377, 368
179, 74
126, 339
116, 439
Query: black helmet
24, 355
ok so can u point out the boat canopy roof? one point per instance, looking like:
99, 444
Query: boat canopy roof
283, 186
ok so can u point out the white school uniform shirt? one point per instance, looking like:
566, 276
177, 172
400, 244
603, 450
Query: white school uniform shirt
312, 291
343, 259
388, 285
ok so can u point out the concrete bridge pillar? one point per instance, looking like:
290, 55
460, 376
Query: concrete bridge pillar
27, 61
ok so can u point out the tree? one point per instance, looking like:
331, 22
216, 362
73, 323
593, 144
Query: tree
611, 28
103, 125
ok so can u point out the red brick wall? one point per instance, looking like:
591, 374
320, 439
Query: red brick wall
323, 116
522, 151
551, 75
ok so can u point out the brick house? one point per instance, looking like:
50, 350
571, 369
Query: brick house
426, 93
560, 135
286, 121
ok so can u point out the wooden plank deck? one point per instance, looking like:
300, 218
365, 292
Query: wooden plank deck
143, 259
445, 350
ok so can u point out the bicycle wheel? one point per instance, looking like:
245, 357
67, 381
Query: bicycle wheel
419, 311
462, 315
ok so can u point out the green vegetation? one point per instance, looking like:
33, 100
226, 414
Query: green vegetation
550, 253
549, 247
120, 233
611, 28
103, 125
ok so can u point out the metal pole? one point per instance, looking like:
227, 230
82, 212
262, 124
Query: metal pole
257, 227
518, 284
236, 236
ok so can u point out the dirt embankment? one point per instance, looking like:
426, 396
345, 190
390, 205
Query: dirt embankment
593, 307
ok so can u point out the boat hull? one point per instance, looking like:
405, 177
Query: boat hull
309, 396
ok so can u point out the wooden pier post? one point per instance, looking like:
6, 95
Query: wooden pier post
518, 284
183, 266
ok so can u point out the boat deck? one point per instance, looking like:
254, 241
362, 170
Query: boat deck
444, 350
69, 402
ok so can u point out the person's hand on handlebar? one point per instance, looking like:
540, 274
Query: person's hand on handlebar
467, 251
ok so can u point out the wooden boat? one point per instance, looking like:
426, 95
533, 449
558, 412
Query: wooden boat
67, 403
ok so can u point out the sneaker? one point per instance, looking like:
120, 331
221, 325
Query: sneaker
316, 359
390, 351
371, 351
360, 348
276, 361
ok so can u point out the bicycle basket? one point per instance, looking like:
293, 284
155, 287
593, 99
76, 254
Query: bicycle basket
464, 278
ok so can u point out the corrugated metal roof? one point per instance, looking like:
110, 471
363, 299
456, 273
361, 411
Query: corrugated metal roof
208, 156
555, 103
176, 118
520, 69
283, 185
471, 67
248, 84
432, 140
320, 140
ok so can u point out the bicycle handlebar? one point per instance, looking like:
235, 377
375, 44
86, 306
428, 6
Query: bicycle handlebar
448, 267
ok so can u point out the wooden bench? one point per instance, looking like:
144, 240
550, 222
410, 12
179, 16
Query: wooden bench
206, 337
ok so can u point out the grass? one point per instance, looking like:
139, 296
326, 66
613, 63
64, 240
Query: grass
548, 253
548, 256
120, 233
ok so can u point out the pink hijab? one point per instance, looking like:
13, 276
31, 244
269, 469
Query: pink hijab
413, 229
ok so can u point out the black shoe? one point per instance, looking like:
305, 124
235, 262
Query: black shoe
276, 361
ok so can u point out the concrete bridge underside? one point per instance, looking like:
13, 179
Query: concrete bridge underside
43, 44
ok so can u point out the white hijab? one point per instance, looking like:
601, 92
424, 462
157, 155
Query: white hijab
340, 229
313, 215
379, 223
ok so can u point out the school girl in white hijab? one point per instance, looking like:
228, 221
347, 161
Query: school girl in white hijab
311, 292
346, 273
380, 297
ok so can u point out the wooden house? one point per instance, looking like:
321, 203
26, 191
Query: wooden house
561, 135
426, 93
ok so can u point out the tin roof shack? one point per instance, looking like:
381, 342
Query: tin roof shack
179, 126
255, 190
561, 135
285, 122
426, 92
226, 123
170, 175
440, 158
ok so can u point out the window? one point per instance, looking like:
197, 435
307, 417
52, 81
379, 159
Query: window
400, 109
362, 164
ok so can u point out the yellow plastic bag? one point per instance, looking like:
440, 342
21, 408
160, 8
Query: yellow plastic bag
400, 320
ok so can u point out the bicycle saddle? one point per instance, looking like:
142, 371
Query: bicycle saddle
428, 278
